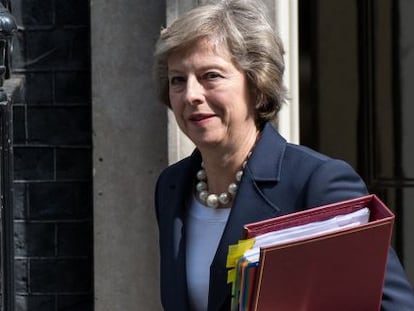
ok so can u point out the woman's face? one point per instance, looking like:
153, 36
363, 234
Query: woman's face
209, 96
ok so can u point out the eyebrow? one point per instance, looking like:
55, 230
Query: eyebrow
174, 71
201, 68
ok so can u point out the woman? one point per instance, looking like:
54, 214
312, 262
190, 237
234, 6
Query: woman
219, 68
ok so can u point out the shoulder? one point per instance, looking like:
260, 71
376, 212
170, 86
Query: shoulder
303, 161
175, 168
319, 178
272, 142
170, 185
300, 153
274, 156
181, 167
178, 174
298, 156
325, 178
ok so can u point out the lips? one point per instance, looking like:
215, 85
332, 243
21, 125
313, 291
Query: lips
196, 117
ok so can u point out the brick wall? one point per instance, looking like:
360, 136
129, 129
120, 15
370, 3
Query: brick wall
52, 156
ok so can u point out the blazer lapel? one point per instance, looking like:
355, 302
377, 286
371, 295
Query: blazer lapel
250, 205
178, 197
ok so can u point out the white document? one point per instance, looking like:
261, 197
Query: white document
305, 231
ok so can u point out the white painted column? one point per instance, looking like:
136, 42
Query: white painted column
179, 145
287, 21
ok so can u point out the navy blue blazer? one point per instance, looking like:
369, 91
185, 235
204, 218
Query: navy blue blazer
280, 178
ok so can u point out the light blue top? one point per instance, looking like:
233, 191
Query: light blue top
205, 227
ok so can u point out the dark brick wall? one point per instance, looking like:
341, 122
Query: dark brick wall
52, 157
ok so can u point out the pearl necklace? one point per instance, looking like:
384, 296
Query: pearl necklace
211, 199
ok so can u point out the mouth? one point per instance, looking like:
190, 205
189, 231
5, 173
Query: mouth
197, 117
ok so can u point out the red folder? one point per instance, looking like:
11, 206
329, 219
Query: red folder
341, 271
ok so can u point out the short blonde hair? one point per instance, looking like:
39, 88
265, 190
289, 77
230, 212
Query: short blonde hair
242, 27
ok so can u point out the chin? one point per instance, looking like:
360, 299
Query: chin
205, 139
205, 143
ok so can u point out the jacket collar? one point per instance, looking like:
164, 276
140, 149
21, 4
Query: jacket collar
266, 160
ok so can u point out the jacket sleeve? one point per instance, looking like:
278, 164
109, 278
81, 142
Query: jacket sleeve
335, 181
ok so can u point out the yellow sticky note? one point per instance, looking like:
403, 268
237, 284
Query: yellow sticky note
231, 275
237, 250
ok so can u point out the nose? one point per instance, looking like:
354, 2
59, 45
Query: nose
194, 92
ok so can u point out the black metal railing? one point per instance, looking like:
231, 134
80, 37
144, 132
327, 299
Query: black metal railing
7, 28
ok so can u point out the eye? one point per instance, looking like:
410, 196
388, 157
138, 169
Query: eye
177, 80
212, 75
